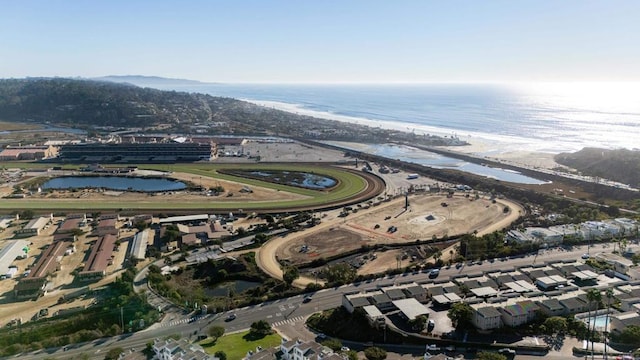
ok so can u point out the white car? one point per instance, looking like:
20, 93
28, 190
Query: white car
585, 256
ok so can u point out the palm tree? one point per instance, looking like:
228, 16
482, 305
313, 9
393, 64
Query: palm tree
609, 295
594, 296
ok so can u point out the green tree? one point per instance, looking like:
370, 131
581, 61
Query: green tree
460, 314
333, 344
418, 323
260, 238
260, 328
221, 355
114, 353
290, 275
486, 355
339, 274
352, 355
555, 325
629, 336
27, 214
375, 353
215, 332
141, 225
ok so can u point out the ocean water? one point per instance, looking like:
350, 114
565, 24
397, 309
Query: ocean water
544, 117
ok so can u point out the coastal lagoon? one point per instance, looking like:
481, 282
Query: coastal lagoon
114, 183
426, 158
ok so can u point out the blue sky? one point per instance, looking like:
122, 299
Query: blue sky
324, 41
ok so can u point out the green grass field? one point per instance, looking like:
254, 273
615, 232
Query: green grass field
349, 184
237, 345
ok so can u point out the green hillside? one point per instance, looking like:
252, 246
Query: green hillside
619, 165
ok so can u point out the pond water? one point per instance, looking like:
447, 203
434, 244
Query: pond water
237, 286
114, 183
300, 179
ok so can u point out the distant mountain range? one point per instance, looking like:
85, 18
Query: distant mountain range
146, 81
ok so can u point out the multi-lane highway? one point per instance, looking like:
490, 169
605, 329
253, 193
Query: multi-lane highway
289, 309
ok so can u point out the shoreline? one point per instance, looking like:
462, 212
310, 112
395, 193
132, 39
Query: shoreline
504, 149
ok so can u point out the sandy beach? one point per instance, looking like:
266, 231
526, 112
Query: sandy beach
508, 154
497, 148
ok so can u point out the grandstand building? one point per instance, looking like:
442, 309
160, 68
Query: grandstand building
29, 152
139, 152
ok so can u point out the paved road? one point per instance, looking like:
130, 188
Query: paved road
283, 311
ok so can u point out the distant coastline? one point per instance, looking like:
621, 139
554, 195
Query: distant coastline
495, 148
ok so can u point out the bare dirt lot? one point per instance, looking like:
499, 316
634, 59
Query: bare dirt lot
390, 223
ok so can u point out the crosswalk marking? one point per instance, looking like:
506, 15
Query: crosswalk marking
288, 321
183, 321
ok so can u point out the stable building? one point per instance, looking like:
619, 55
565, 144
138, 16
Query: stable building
139, 245
69, 225
34, 227
29, 152
106, 227
99, 259
17, 249
33, 285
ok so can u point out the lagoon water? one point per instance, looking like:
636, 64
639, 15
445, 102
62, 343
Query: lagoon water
418, 156
114, 183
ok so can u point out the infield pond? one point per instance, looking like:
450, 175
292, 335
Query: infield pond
114, 183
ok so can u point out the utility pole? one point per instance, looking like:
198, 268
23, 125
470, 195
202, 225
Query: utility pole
121, 319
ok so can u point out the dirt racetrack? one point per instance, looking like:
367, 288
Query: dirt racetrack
427, 216
358, 186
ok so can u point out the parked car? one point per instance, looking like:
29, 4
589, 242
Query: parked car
585, 256
430, 325
507, 351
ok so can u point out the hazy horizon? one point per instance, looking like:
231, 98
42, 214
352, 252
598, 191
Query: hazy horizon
355, 42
